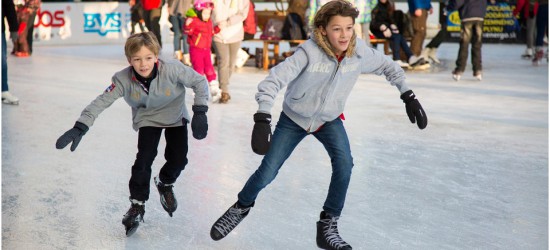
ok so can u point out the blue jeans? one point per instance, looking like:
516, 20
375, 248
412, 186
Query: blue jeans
286, 137
177, 26
542, 24
4, 64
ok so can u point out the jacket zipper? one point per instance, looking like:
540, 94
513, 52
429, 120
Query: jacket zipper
325, 94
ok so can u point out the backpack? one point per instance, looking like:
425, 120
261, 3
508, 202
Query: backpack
272, 30
293, 28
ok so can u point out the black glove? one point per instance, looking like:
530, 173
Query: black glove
199, 123
74, 135
261, 134
414, 109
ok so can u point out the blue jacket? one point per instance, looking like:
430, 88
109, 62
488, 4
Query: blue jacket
419, 4
318, 86
469, 9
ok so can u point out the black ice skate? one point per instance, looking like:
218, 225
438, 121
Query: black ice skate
132, 218
327, 233
228, 221
167, 198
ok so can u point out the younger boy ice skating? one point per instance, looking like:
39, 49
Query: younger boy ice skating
155, 90
318, 78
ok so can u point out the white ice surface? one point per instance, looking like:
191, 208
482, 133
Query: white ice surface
475, 178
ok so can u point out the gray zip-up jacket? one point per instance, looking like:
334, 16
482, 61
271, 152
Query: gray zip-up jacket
317, 85
163, 106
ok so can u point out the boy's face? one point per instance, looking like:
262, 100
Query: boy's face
339, 31
143, 61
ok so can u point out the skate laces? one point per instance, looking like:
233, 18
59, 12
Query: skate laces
167, 193
330, 230
136, 210
231, 219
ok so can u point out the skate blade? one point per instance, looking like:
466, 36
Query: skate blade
132, 229
10, 103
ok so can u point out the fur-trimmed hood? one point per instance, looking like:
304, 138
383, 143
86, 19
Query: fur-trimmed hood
323, 43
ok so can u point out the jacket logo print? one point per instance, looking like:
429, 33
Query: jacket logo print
136, 96
167, 92
319, 67
350, 67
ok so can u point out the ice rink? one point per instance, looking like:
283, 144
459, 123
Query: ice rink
475, 178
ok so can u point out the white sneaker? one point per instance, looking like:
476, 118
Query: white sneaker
215, 91
402, 64
8, 98
186, 59
418, 63
478, 75
528, 54
456, 75
214, 86
432, 54
178, 55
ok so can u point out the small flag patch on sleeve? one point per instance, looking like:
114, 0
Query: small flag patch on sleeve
110, 88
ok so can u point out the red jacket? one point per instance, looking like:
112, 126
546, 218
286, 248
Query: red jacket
249, 23
200, 33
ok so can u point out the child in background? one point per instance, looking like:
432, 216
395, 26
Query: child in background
155, 90
318, 79
200, 31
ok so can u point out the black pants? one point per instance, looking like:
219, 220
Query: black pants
175, 155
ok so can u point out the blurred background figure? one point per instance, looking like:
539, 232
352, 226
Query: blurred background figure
362, 22
151, 16
177, 10
541, 13
26, 13
9, 15
136, 16
228, 15
526, 11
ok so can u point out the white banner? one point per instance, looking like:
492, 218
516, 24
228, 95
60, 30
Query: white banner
88, 23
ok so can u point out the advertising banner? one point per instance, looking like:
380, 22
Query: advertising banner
499, 24
87, 23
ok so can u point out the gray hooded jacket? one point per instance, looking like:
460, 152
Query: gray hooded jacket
164, 106
318, 85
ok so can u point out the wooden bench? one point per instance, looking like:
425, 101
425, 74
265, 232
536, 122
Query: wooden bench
274, 45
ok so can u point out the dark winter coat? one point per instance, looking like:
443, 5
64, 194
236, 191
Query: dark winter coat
8, 12
469, 10
382, 14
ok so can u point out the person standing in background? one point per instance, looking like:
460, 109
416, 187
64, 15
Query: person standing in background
472, 13
151, 16
177, 10
362, 23
136, 16
228, 15
250, 24
26, 13
526, 11
35, 6
541, 13
430, 51
9, 14
199, 29
419, 10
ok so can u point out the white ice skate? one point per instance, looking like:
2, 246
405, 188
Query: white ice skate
8, 98
215, 91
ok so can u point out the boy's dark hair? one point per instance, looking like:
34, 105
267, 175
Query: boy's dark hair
138, 40
334, 8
